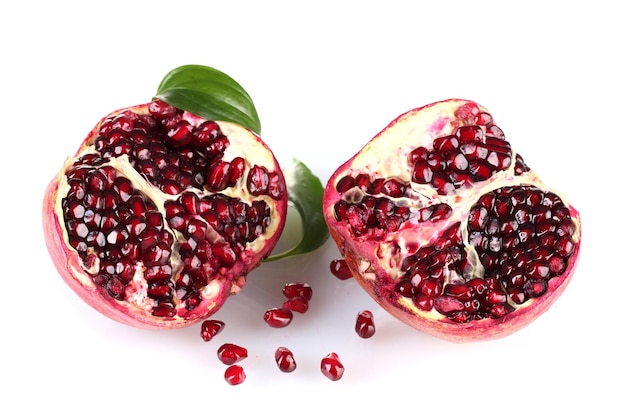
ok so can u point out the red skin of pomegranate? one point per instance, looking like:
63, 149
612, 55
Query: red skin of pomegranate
376, 262
223, 283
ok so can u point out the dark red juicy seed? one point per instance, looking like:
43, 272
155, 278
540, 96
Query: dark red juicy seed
364, 326
164, 147
331, 367
229, 353
298, 289
278, 317
285, 359
234, 375
297, 304
210, 328
339, 268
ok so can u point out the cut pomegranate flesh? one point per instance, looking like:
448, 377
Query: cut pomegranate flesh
160, 214
331, 367
447, 228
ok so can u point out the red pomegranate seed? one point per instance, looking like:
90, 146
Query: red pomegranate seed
284, 359
210, 328
339, 268
298, 289
278, 317
331, 367
365, 324
297, 304
229, 353
234, 375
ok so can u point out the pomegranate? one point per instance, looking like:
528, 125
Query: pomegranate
161, 214
446, 226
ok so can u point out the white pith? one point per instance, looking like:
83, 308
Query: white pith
386, 156
242, 143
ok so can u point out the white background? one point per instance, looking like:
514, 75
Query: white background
325, 77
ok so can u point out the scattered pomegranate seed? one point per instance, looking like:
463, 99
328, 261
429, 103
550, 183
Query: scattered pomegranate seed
229, 353
340, 269
331, 367
365, 324
234, 375
298, 289
284, 359
278, 317
210, 328
297, 304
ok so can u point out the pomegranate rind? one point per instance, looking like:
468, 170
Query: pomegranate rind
136, 313
385, 156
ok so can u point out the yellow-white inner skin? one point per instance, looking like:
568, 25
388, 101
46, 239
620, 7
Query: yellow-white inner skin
243, 144
396, 143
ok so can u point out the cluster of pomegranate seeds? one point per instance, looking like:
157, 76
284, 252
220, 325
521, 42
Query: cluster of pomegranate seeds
229, 353
331, 367
107, 220
285, 359
364, 325
118, 229
339, 268
473, 153
210, 328
234, 375
235, 221
522, 237
366, 206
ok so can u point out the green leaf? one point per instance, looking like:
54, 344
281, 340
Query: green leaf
305, 192
209, 93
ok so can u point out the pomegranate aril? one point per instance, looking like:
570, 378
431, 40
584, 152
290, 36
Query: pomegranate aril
210, 328
234, 375
298, 289
285, 359
297, 304
258, 180
340, 269
332, 367
229, 353
278, 317
364, 326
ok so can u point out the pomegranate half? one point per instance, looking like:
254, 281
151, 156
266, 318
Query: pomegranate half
444, 224
161, 214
